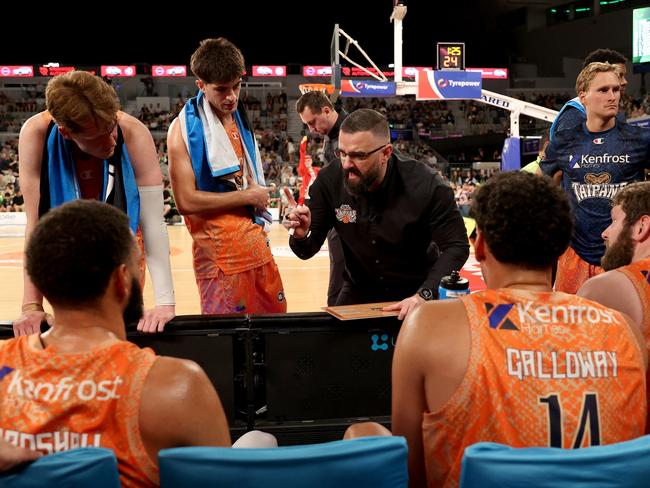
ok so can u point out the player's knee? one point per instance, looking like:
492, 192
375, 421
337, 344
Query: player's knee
365, 429
256, 439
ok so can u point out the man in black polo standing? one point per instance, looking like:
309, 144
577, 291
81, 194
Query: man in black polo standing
399, 226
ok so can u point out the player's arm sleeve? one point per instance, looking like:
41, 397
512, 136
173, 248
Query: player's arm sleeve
156, 243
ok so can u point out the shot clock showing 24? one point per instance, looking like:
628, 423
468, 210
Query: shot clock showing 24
451, 55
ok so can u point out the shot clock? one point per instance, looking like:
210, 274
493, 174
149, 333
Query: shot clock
451, 55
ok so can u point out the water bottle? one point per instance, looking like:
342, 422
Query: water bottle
453, 286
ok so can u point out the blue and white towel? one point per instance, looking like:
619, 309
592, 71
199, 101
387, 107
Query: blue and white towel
119, 187
212, 153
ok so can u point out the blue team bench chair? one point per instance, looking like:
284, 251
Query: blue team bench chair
89, 466
620, 465
379, 462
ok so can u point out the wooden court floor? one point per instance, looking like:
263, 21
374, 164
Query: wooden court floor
305, 282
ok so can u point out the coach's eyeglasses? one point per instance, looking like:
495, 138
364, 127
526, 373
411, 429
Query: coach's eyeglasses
356, 155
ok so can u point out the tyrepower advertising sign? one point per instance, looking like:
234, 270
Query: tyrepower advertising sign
367, 88
448, 85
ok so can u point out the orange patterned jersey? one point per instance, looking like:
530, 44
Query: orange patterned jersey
55, 402
639, 274
546, 370
228, 240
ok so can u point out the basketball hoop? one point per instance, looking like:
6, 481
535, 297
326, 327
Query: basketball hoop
320, 87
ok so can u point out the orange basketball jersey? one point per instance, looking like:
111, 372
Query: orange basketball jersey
546, 370
55, 402
228, 240
639, 275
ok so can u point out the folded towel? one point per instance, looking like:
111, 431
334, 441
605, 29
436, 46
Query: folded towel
212, 153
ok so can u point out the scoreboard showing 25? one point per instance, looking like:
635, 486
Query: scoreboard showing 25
451, 55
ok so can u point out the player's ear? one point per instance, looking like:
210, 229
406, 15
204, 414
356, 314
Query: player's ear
641, 229
582, 96
120, 280
479, 246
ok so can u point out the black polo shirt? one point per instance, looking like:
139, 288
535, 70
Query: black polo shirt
406, 235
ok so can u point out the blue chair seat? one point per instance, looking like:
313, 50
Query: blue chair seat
89, 466
620, 465
380, 462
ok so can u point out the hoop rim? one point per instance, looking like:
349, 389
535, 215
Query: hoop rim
321, 87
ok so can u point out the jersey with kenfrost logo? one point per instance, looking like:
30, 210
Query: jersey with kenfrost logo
545, 369
595, 166
55, 402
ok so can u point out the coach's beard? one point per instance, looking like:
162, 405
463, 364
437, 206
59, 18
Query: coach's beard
364, 184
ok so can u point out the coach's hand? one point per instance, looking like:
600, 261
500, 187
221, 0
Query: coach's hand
405, 306
297, 218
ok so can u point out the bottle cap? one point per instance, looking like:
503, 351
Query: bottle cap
454, 282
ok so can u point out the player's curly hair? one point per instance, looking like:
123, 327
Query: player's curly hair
604, 56
525, 219
74, 250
